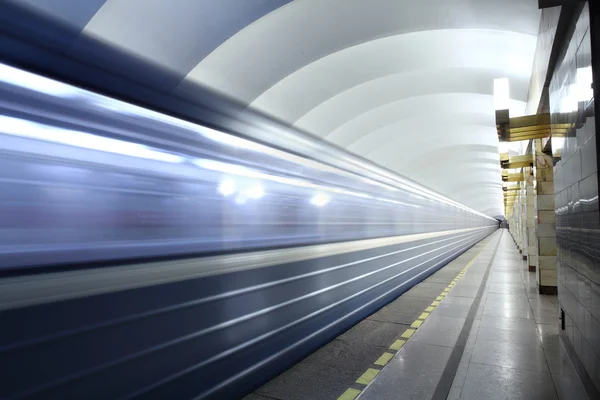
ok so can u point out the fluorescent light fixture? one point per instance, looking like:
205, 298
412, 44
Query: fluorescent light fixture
37, 83
568, 102
320, 199
583, 87
501, 94
227, 187
241, 199
34, 130
255, 192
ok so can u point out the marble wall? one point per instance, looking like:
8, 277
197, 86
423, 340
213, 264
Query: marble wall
576, 197
547, 31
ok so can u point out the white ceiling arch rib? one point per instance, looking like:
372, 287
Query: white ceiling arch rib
333, 112
335, 73
461, 108
305, 31
372, 76
479, 154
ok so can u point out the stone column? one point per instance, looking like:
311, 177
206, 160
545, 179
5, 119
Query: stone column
514, 223
521, 209
530, 218
545, 219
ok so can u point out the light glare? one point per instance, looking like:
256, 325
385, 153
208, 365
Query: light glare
227, 187
255, 192
501, 94
320, 200
34, 130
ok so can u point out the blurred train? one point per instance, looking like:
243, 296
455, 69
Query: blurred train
146, 256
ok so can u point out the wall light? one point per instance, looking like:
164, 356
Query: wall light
36, 83
227, 187
320, 199
501, 94
583, 87
48, 133
255, 192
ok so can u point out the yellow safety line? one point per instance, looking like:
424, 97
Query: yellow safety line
424, 315
349, 394
397, 345
416, 324
407, 333
384, 359
368, 376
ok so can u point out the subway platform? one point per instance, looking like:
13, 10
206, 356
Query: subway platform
476, 329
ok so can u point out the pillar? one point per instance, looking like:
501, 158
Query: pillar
529, 223
545, 221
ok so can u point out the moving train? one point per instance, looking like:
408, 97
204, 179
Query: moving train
151, 256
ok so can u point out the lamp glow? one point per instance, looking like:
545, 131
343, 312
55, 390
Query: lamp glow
255, 192
227, 187
501, 94
320, 200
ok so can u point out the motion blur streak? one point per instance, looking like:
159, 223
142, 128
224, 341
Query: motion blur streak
212, 261
87, 178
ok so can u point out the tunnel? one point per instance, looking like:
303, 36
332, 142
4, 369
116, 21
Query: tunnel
299, 199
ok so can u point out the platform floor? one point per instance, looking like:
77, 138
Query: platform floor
476, 329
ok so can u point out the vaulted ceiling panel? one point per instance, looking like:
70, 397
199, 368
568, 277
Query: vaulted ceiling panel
404, 83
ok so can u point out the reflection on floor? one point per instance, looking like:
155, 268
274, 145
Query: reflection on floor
477, 330
513, 349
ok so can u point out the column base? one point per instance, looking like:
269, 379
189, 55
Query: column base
532, 268
551, 290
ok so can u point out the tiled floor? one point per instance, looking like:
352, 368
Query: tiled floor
513, 350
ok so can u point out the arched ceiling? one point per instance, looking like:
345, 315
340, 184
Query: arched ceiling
406, 84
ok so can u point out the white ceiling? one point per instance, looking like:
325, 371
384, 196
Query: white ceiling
407, 84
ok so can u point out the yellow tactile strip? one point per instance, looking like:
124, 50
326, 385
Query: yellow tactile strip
370, 374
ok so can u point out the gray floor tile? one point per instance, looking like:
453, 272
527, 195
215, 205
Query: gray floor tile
440, 331
510, 355
548, 329
509, 323
479, 313
546, 316
507, 313
507, 305
473, 334
542, 304
569, 387
450, 307
461, 301
461, 371
454, 393
412, 374
509, 297
557, 357
465, 291
492, 334
505, 290
509, 286
471, 281
486, 382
